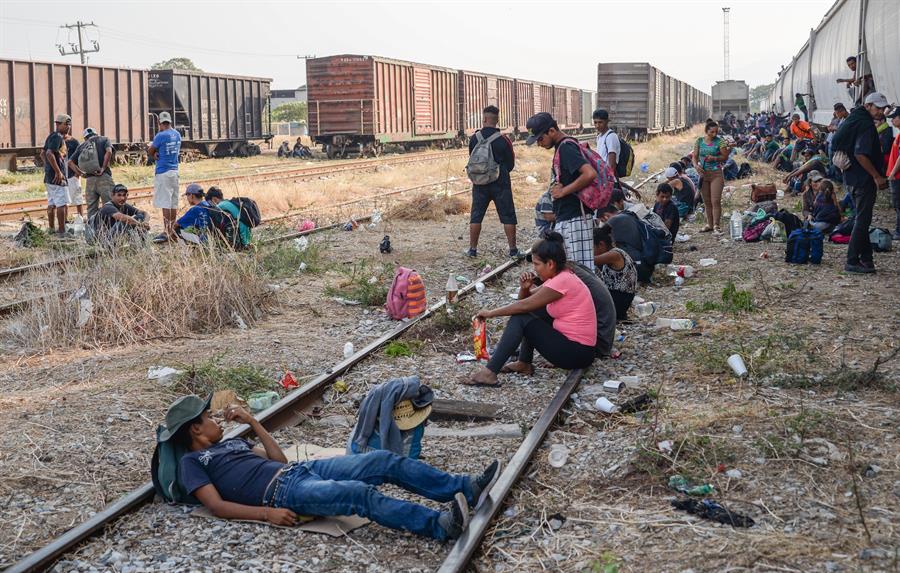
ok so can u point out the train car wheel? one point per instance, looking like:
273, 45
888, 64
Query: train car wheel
329, 151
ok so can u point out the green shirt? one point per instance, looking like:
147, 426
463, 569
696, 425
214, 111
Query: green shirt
772, 146
232, 210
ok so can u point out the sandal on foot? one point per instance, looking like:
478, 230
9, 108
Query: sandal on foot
508, 369
706, 229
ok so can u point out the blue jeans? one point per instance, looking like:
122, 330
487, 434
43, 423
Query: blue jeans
346, 486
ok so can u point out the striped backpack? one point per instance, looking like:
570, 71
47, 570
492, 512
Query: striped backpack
406, 297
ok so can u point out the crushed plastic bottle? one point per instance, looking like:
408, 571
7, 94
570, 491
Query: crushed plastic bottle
645, 309
682, 324
681, 484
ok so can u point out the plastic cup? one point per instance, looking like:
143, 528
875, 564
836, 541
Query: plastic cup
614, 385
631, 381
605, 405
737, 365
558, 455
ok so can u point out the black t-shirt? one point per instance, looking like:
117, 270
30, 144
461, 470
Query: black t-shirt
670, 211
102, 144
570, 162
105, 215
503, 155
52, 145
71, 146
865, 142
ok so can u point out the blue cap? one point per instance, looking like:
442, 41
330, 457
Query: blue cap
194, 189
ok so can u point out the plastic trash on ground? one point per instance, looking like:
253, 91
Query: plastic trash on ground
259, 401
558, 455
306, 225
707, 262
164, 375
645, 309
348, 350
301, 243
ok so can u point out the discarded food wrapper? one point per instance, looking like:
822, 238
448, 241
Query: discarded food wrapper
682, 238
605, 405
681, 484
682, 324
461, 279
345, 301
372, 280
376, 217
679, 281
340, 386
302, 266
614, 385
465, 357
288, 381
306, 225
779, 194
734, 474
164, 375
631, 381
486, 270
707, 262
480, 339
301, 243
665, 446
619, 337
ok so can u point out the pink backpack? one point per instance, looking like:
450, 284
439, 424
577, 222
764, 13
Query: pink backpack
406, 297
597, 194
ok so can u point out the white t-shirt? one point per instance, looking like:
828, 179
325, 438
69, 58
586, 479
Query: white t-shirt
608, 143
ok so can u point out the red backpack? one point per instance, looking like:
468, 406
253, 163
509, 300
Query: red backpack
406, 297
597, 194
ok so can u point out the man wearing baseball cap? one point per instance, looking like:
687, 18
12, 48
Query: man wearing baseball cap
858, 139
236, 479
165, 149
92, 158
573, 221
197, 215
53, 156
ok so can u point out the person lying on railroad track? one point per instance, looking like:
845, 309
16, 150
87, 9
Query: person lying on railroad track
118, 218
571, 174
558, 318
235, 480
197, 216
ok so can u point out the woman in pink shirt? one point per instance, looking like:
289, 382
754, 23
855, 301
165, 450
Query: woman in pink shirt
557, 318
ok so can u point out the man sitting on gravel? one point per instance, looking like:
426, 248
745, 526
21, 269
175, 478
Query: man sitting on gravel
235, 480
118, 218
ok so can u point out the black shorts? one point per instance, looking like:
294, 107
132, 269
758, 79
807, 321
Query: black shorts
503, 202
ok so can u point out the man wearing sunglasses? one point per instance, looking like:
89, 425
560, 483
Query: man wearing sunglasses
570, 173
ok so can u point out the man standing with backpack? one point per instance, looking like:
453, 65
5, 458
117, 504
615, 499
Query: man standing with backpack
570, 174
92, 158
491, 158
165, 149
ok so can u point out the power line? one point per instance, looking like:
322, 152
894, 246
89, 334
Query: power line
79, 49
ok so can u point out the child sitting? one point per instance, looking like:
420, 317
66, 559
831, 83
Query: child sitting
666, 209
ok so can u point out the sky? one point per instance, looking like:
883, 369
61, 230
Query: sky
554, 42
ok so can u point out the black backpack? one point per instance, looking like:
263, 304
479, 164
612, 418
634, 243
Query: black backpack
625, 159
790, 221
224, 226
745, 171
249, 210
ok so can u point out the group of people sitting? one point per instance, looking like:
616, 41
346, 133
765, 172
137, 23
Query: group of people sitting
299, 150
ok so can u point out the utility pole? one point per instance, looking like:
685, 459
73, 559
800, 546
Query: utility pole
725, 13
79, 48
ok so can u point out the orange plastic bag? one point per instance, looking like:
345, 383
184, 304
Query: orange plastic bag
479, 336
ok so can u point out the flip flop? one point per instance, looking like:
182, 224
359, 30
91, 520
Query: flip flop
470, 382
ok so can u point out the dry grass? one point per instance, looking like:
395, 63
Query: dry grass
429, 208
134, 296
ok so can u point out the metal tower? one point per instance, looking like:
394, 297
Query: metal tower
725, 12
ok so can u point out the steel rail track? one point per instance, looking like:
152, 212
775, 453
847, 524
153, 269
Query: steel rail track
289, 411
15, 209
285, 412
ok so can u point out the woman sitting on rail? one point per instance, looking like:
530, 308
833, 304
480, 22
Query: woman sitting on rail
557, 318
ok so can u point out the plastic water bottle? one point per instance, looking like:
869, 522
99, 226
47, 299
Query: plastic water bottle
645, 309
348, 350
736, 226
682, 324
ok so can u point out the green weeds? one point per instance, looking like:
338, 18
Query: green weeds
365, 283
211, 375
397, 348
733, 301
284, 259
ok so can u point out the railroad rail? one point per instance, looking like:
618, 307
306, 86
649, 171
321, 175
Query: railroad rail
289, 411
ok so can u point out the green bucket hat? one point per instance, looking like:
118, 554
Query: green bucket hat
182, 411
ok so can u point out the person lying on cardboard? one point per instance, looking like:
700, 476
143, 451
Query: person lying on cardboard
236, 480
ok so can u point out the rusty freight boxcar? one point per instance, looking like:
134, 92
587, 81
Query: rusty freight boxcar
111, 100
217, 115
361, 103
477, 91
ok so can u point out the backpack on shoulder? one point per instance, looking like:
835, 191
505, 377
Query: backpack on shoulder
804, 246
597, 194
406, 297
88, 161
656, 244
625, 159
164, 471
248, 209
225, 227
482, 168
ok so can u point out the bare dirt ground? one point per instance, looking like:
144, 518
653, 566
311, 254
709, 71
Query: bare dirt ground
80, 422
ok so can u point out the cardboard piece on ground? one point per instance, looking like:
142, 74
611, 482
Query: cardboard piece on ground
308, 452
223, 399
335, 526
490, 431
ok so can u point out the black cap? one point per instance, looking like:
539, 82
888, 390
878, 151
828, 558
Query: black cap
600, 114
894, 112
118, 187
838, 106
677, 166
538, 125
